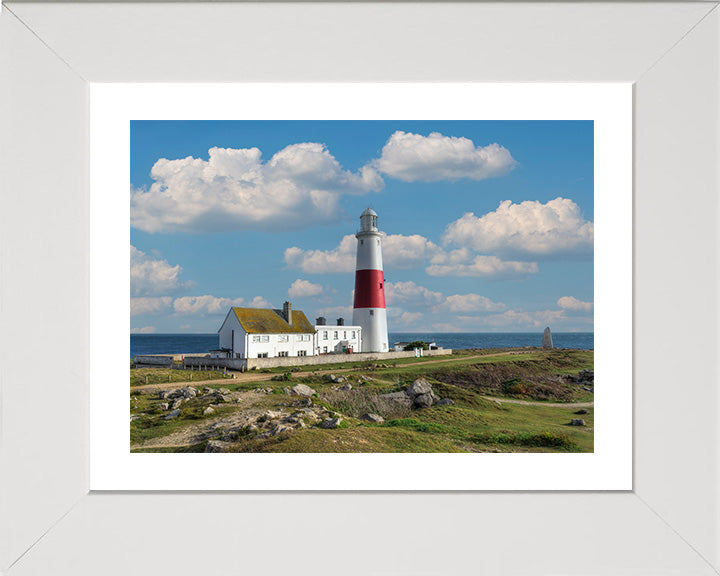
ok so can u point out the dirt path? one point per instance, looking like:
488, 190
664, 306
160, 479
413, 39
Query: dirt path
242, 377
531, 403
248, 406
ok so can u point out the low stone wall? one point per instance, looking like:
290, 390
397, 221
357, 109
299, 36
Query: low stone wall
154, 360
259, 363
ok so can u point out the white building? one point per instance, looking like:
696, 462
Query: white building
337, 339
265, 333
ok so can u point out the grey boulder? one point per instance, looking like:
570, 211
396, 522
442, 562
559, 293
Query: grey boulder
302, 390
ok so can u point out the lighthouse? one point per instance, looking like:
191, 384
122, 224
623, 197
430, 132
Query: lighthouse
369, 305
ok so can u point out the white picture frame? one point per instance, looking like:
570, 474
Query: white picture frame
114, 106
668, 523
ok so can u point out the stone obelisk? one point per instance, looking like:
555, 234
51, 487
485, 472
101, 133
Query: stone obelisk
547, 338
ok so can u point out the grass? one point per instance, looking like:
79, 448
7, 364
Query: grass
474, 423
141, 376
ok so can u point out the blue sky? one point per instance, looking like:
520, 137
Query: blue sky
489, 223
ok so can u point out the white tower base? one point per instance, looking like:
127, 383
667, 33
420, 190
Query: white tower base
374, 328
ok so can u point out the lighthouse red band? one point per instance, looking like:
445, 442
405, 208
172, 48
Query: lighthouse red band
369, 289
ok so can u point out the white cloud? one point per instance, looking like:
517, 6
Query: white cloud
298, 187
149, 276
149, 305
258, 302
408, 318
572, 303
472, 303
399, 252
410, 294
143, 330
206, 305
529, 228
301, 288
402, 252
413, 157
484, 267
515, 318
338, 260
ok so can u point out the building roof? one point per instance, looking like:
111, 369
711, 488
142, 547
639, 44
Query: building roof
369, 212
270, 321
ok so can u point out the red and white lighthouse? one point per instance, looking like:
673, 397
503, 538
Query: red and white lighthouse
369, 306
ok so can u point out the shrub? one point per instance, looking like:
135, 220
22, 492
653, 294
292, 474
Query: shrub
416, 344
355, 403
540, 439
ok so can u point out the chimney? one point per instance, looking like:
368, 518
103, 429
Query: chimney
287, 312
320, 321
341, 321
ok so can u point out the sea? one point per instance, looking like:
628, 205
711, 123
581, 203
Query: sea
201, 343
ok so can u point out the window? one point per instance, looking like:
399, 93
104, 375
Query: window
335, 335
283, 338
324, 349
362, 241
353, 334
302, 352
256, 338
303, 338
282, 354
262, 355
264, 338
325, 335
344, 334
381, 285
372, 312
378, 242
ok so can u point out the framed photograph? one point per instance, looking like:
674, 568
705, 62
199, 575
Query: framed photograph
98, 156
519, 399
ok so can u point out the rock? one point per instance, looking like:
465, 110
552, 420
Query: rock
370, 417
270, 415
224, 391
163, 394
215, 446
588, 389
340, 379
303, 403
547, 338
286, 391
134, 417
347, 387
176, 393
330, 423
577, 422
279, 429
164, 406
188, 392
330, 377
208, 410
423, 401
582, 411
302, 390
445, 402
176, 404
420, 386
296, 369
397, 398
208, 390
173, 414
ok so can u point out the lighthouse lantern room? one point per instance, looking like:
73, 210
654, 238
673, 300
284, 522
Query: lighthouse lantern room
369, 305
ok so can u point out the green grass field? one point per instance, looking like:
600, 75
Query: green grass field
502, 403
